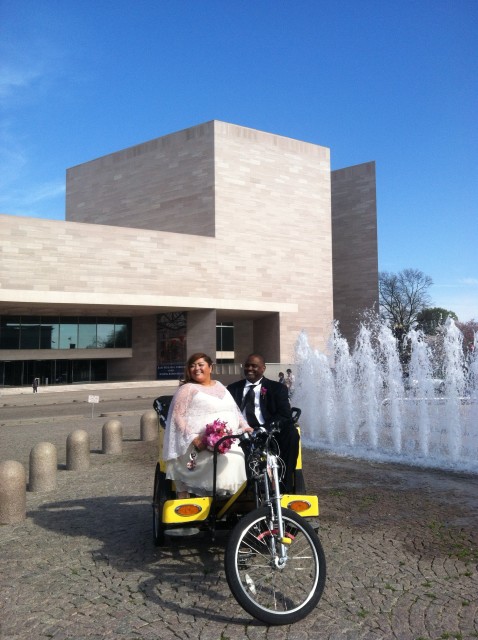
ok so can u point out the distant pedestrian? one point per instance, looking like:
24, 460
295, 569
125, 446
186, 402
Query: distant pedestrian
35, 385
290, 382
281, 377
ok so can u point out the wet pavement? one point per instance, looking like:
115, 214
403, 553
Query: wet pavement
401, 543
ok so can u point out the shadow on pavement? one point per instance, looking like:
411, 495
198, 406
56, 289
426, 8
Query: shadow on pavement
186, 575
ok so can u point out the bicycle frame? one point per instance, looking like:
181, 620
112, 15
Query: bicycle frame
277, 508
270, 479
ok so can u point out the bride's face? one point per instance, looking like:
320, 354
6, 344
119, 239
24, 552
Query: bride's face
200, 371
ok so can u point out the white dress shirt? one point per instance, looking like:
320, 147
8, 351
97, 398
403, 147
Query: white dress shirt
257, 404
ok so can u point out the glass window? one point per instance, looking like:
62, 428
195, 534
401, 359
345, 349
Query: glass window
87, 333
225, 337
81, 370
106, 333
122, 333
10, 332
30, 332
99, 370
35, 332
62, 372
50, 333
68, 333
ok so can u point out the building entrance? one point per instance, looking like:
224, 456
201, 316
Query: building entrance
20, 373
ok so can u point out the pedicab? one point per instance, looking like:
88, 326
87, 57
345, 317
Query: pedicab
274, 561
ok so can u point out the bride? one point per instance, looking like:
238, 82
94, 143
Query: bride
200, 401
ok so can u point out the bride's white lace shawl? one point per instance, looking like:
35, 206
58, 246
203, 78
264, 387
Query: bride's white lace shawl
192, 408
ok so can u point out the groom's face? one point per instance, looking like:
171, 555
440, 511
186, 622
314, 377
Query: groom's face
254, 368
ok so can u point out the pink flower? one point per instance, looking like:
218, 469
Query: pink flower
263, 391
213, 433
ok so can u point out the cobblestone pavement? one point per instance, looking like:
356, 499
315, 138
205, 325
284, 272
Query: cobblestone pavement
401, 546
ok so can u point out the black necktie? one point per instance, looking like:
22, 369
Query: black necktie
250, 406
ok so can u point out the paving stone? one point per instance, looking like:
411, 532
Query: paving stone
401, 546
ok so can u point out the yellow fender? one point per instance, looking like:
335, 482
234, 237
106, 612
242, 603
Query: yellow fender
186, 510
305, 505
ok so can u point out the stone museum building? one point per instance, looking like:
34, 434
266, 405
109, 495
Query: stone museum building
217, 238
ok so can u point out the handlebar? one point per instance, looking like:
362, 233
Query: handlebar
259, 435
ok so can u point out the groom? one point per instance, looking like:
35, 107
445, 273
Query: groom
264, 401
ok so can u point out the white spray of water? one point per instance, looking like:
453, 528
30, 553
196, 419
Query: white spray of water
393, 382
422, 390
454, 385
472, 390
359, 403
344, 381
367, 383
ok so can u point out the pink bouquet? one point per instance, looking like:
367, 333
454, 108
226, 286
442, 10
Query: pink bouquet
214, 432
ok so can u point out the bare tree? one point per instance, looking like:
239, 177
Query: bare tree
402, 296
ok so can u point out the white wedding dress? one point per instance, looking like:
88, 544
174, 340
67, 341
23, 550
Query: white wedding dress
193, 407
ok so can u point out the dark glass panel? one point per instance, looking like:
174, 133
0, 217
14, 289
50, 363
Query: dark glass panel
50, 333
80, 370
106, 333
99, 370
87, 333
62, 371
68, 333
10, 332
227, 339
122, 332
30, 332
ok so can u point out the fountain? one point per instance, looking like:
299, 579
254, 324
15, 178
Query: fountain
358, 403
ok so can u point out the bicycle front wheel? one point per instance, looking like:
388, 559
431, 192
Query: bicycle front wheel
272, 591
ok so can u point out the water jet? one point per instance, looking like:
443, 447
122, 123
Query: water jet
366, 403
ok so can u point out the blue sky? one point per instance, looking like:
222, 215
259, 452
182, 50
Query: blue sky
390, 81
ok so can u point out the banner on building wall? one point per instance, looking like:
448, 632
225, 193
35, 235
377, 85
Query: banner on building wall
170, 371
171, 355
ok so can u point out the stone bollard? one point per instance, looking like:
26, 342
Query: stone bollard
78, 451
149, 426
112, 437
13, 492
43, 467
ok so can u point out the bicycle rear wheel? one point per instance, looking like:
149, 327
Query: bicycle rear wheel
270, 593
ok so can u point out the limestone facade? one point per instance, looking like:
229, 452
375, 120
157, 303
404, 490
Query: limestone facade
225, 222
354, 242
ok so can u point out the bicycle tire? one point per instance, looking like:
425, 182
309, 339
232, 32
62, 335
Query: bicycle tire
270, 594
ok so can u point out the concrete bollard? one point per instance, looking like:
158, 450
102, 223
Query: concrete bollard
149, 426
112, 437
43, 467
13, 492
78, 451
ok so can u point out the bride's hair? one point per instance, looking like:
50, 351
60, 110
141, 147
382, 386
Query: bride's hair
191, 360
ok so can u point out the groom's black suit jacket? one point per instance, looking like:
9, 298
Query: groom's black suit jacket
275, 407
274, 401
